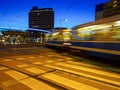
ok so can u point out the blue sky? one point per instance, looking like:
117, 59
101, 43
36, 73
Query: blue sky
14, 13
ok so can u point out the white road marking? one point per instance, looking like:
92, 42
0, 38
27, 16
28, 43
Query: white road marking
3, 68
89, 70
35, 70
50, 55
31, 57
79, 63
49, 61
60, 59
87, 75
16, 75
40, 56
38, 63
68, 58
22, 65
69, 83
36, 85
7, 60
9, 83
20, 58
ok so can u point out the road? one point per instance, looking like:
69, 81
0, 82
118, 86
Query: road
45, 69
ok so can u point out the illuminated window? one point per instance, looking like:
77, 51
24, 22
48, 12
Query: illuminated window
115, 5
115, 1
38, 14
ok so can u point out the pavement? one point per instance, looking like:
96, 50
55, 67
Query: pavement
40, 68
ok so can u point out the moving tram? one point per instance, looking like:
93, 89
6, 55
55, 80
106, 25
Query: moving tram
100, 38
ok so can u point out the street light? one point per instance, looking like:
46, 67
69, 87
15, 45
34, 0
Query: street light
65, 20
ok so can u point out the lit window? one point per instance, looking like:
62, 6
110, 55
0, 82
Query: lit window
38, 13
115, 1
115, 5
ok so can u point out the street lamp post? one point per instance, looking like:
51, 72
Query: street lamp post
66, 20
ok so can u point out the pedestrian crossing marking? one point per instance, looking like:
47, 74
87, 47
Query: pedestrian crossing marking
36, 85
79, 63
69, 58
19, 58
38, 63
22, 65
50, 55
49, 61
85, 75
69, 83
35, 70
60, 59
89, 70
7, 60
40, 56
9, 83
16, 75
31, 57
3, 68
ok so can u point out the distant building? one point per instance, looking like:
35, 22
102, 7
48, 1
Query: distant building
99, 11
41, 18
107, 9
59, 28
111, 8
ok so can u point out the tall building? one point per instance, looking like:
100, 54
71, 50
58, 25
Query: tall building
111, 8
107, 9
99, 11
41, 18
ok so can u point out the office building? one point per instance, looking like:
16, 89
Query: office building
99, 11
41, 18
111, 8
107, 9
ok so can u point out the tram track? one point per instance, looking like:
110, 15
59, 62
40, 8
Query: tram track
35, 77
53, 69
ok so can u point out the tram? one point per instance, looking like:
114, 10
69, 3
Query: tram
101, 40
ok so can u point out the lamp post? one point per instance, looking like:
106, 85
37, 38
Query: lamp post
65, 20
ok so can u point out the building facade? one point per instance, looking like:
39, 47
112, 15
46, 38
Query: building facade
41, 18
99, 11
107, 9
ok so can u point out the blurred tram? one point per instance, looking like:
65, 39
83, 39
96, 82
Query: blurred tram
100, 38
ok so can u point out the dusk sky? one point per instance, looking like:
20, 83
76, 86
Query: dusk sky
14, 13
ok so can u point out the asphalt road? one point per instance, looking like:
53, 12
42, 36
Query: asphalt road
45, 69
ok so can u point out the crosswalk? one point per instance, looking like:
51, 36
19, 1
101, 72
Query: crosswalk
68, 83
102, 78
22, 79
67, 74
